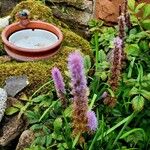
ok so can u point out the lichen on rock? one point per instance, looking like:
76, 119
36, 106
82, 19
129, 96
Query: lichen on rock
3, 99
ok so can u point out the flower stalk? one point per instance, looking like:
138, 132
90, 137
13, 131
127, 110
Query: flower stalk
59, 85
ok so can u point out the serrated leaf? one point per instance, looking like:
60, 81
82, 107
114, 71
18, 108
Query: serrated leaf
146, 10
131, 4
145, 94
133, 50
39, 98
134, 91
138, 103
48, 140
134, 20
18, 104
146, 24
11, 110
57, 124
68, 111
87, 62
101, 56
138, 7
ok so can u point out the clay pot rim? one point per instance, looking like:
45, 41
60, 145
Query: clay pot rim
9, 44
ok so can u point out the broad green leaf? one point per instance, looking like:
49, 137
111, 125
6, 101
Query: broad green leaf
146, 10
40, 98
57, 124
138, 103
18, 104
68, 111
103, 76
146, 24
131, 4
144, 45
133, 50
101, 56
138, 7
48, 140
134, 91
11, 110
134, 20
145, 94
87, 62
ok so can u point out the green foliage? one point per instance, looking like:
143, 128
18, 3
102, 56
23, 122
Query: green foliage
143, 20
124, 127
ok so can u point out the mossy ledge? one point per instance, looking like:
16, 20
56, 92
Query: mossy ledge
39, 72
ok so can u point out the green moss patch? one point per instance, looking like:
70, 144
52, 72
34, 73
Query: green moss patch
39, 72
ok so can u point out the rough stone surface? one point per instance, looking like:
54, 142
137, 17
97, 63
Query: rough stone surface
25, 140
75, 13
85, 5
11, 130
3, 99
6, 6
108, 10
16, 84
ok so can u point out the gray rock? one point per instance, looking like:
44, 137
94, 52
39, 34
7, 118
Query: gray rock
16, 84
3, 99
84, 5
11, 130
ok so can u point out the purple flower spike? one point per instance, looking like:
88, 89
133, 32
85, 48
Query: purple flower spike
76, 67
92, 121
59, 84
118, 42
79, 92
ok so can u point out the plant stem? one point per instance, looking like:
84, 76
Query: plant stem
96, 49
47, 83
125, 125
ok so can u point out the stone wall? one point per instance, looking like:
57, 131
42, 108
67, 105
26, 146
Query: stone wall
76, 13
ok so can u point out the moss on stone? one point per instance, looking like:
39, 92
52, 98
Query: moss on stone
38, 11
38, 72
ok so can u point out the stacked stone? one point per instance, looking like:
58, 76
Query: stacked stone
76, 13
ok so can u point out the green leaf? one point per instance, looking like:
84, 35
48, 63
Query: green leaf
134, 91
133, 50
131, 4
33, 116
146, 24
68, 111
87, 62
138, 7
138, 103
126, 134
11, 110
146, 10
144, 45
101, 56
57, 124
18, 104
75, 141
103, 76
48, 140
145, 94
134, 20
40, 98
